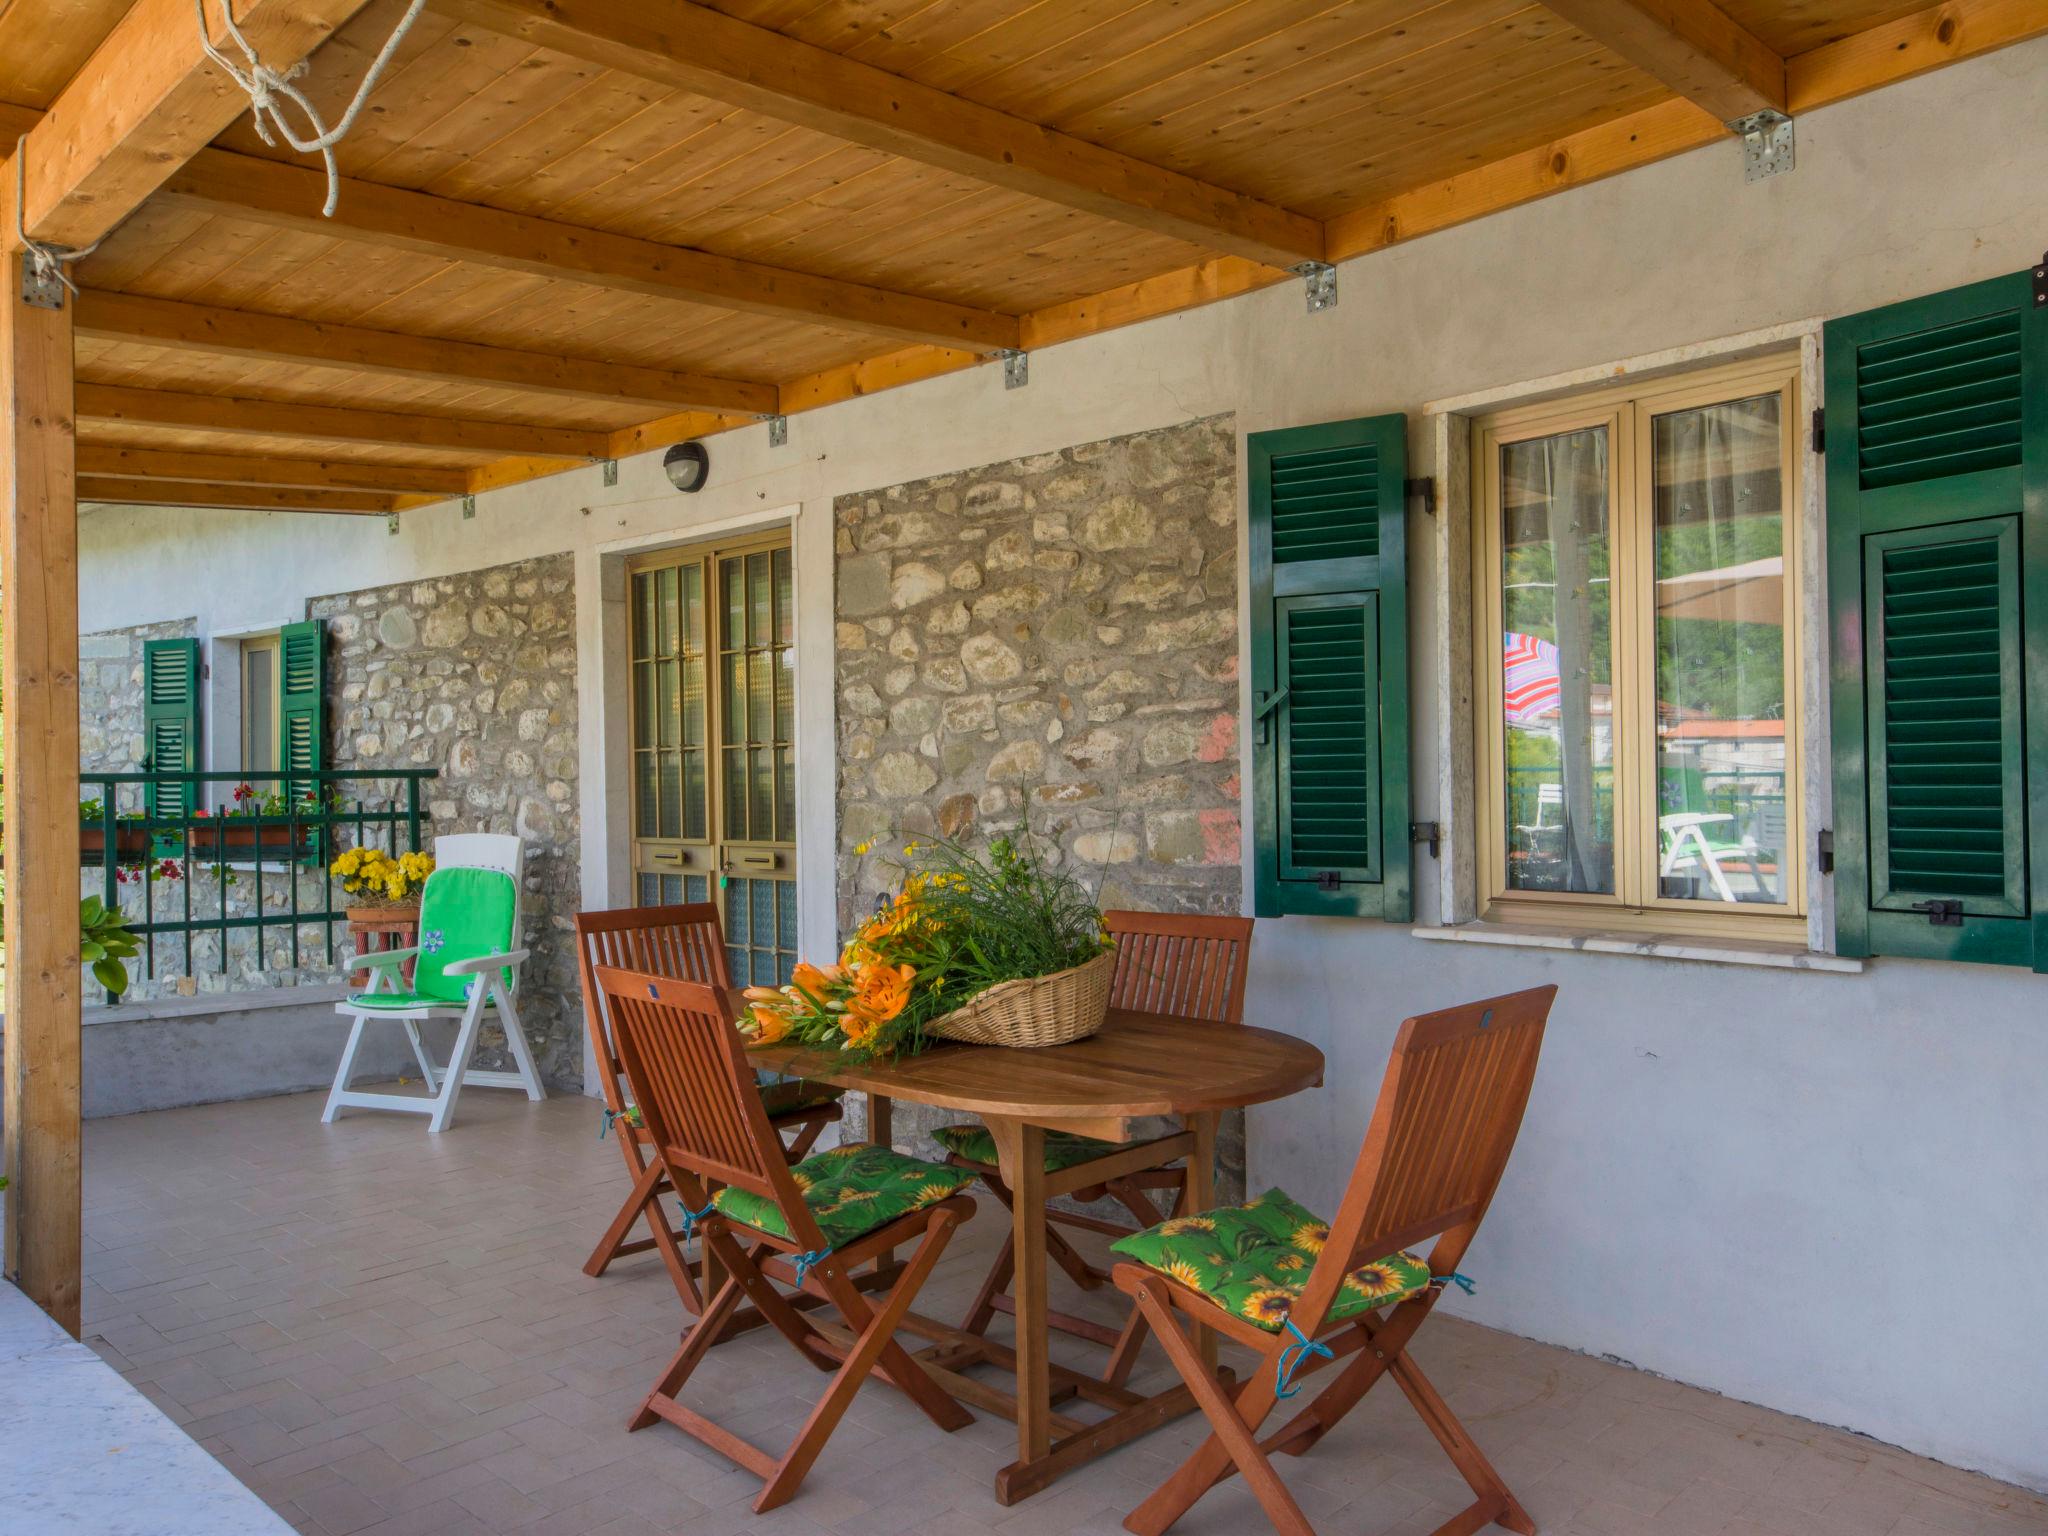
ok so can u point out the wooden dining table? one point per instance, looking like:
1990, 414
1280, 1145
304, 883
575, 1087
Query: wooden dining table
1115, 1086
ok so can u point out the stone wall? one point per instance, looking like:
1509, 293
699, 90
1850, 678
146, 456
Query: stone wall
475, 675
110, 694
1049, 643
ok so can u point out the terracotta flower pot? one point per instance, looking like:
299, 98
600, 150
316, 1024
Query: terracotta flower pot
379, 928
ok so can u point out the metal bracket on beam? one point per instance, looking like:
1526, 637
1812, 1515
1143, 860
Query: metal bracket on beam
611, 473
41, 288
778, 431
1319, 278
1767, 144
1016, 368
391, 523
468, 507
1423, 489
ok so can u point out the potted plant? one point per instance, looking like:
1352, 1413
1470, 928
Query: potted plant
256, 822
386, 911
991, 946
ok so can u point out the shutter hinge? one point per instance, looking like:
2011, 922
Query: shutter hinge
1423, 489
1826, 848
1947, 913
1430, 832
1329, 880
2041, 283
1820, 429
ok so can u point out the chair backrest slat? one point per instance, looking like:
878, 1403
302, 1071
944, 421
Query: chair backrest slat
1188, 966
1449, 1110
684, 1061
685, 942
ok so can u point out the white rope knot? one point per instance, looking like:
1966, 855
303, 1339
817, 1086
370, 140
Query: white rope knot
268, 88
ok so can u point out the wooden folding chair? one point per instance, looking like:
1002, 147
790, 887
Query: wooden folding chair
1448, 1114
807, 1226
1189, 967
685, 942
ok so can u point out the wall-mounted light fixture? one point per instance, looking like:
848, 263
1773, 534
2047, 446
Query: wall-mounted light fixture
688, 466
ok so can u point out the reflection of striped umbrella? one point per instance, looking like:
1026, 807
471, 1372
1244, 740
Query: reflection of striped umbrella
1529, 678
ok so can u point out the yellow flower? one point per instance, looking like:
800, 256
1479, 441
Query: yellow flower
1310, 1236
1181, 1224
927, 1193
1373, 1281
862, 847
1290, 1263
799, 1178
1270, 1306
1185, 1273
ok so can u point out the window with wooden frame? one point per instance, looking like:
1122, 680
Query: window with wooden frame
260, 696
1636, 645
712, 648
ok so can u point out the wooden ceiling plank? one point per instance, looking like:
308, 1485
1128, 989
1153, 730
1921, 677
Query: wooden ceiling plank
288, 197
1699, 50
242, 469
145, 102
242, 415
1912, 45
280, 338
693, 48
175, 493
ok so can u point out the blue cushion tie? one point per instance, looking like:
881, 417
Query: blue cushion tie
691, 1218
605, 1129
1292, 1357
804, 1261
1462, 1282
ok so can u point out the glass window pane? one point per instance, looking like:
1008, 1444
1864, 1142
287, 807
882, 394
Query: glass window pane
693, 608
785, 795
785, 600
759, 627
643, 613
665, 615
646, 795
696, 818
785, 696
259, 708
735, 787
1721, 760
1557, 663
735, 577
671, 796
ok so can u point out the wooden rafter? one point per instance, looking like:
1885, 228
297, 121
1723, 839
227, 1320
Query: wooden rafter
280, 338
690, 47
242, 416
172, 493
289, 197
1693, 46
108, 459
143, 104
1910, 46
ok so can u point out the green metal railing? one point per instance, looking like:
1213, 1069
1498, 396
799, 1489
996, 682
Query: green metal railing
284, 825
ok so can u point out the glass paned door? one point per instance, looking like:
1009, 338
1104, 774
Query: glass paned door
713, 729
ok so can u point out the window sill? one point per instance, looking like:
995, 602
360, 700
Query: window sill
1662, 946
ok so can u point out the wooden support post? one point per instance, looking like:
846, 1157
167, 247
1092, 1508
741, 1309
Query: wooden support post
39, 736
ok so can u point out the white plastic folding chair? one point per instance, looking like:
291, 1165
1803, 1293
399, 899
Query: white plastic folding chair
465, 968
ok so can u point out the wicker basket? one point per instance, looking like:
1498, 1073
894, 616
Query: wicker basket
1035, 1010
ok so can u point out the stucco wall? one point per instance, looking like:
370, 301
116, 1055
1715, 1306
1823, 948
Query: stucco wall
1745, 1178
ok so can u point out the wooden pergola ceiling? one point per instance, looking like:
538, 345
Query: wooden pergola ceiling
575, 229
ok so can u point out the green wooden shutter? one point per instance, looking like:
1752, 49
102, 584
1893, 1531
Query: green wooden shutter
301, 703
1937, 478
170, 720
1329, 626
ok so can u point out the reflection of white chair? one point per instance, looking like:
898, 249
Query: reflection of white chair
465, 966
1688, 846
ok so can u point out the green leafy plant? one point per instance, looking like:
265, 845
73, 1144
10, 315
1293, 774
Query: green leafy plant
103, 943
965, 920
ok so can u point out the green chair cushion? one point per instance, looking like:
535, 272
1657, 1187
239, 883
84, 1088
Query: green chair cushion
1253, 1260
464, 913
380, 1002
851, 1191
1063, 1149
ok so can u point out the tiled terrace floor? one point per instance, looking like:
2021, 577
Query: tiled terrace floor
382, 1331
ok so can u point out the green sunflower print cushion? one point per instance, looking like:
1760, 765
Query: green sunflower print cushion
1253, 1260
851, 1191
1063, 1149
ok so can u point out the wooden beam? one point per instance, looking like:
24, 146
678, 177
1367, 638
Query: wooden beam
289, 197
245, 416
1910, 46
247, 469
282, 339
144, 103
1705, 55
174, 493
692, 48
39, 739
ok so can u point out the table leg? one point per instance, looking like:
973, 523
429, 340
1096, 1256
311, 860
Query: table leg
882, 1133
1020, 1152
1202, 1197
